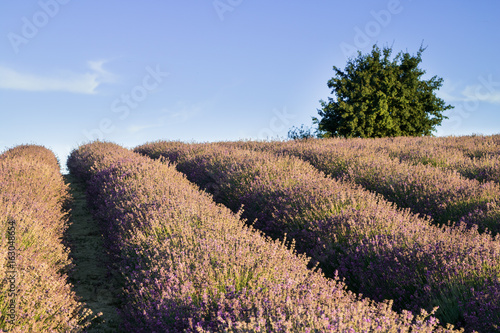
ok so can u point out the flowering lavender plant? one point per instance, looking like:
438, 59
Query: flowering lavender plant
382, 251
34, 293
191, 265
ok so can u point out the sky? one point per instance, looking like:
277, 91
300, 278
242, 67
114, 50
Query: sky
214, 70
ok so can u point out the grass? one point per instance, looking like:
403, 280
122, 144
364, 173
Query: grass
96, 284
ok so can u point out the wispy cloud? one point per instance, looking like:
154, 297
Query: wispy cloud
80, 83
451, 92
479, 93
138, 128
448, 91
104, 76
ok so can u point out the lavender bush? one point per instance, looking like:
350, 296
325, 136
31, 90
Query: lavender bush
442, 194
32, 152
34, 293
472, 157
381, 251
191, 265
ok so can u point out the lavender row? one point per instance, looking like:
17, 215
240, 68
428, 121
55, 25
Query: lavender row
191, 265
477, 165
381, 251
474, 157
473, 146
32, 152
35, 294
443, 195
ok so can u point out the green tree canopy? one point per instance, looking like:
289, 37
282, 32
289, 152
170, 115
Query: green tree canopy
379, 97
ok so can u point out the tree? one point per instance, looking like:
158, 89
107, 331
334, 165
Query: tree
303, 133
379, 97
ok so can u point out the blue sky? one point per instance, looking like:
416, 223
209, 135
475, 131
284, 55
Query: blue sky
211, 70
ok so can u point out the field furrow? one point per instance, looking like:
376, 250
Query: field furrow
93, 276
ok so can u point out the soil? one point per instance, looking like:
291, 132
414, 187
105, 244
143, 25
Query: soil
94, 280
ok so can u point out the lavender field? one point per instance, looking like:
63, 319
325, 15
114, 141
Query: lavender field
330, 235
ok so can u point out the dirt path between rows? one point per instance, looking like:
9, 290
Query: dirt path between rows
94, 283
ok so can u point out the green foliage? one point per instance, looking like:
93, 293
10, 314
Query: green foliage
379, 97
302, 133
